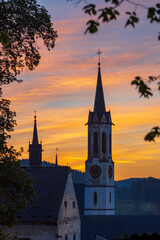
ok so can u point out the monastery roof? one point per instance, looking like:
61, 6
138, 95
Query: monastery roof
111, 226
49, 187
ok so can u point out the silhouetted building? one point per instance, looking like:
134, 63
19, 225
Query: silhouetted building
35, 149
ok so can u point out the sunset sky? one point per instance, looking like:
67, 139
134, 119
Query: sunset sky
62, 91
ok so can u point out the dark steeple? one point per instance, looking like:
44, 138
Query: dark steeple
56, 162
35, 134
99, 104
35, 149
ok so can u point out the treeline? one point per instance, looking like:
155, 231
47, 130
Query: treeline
141, 190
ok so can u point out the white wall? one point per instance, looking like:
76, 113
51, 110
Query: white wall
103, 205
33, 231
69, 219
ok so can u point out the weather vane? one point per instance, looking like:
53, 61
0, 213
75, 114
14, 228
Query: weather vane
99, 55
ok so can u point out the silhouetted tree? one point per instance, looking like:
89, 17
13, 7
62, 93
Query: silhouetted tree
15, 187
22, 22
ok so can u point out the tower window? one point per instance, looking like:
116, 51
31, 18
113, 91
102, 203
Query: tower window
95, 197
95, 142
109, 142
104, 142
74, 204
65, 204
110, 197
74, 236
66, 237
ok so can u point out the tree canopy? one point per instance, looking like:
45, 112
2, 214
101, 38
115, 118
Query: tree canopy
22, 23
15, 187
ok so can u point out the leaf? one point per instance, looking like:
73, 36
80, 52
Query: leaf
90, 9
142, 87
132, 19
158, 5
155, 132
93, 26
4, 39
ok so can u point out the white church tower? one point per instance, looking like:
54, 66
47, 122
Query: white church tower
99, 167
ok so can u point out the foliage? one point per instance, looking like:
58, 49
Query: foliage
112, 11
22, 22
155, 132
15, 187
145, 91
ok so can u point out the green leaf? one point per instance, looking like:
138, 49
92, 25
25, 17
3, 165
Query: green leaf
90, 9
158, 5
4, 39
150, 137
92, 26
142, 87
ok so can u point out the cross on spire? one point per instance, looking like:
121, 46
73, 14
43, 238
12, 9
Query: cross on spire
35, 114
99, 56
99, 104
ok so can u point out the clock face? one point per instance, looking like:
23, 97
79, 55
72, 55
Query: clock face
109, 171
95, 171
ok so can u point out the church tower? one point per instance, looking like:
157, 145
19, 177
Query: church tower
35, 149
99, 167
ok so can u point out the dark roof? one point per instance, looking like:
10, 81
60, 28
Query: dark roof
99, 104
79, 190
112, 226
49, 187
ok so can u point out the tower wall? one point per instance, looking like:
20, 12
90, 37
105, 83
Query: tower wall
99, 167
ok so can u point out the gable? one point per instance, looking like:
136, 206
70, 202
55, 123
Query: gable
69, 205
103, 120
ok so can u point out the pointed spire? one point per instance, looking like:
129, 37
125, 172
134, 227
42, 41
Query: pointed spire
56, 162
35, 149
35, 134
99, 104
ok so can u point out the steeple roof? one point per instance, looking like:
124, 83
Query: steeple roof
99, 104
35, 134
56, 162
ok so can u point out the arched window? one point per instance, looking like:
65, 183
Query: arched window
65, 204
95, 142
95, 197
110, 197
104, 142
109, 142
89, 143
